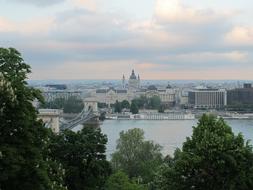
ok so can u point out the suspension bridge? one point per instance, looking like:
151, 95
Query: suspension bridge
53, 118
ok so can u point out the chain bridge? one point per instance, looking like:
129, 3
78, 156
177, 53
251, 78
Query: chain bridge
52, 117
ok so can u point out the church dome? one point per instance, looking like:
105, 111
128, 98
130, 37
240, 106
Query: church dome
152, 87
169, 86
133, 76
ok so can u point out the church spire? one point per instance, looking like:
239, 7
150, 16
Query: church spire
123, 82
139, 81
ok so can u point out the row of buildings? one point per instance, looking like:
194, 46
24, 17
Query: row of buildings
220, 98
199, 97
132, 89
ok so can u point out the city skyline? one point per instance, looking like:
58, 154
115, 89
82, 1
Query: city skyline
161, 39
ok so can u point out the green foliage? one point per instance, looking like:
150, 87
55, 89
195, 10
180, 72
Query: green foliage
141, 102
213, 158
134, 108
102, 116
82, 154
23, 139
102, 105
125, 104
161, 109
120, 181
154, 102
57, 103
135, 156
147, 103
117, 107
71, 105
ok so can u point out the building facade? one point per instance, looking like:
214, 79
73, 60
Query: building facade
133, 82
133, 90
241, 96
51, 95
208, 98
111, 95
167, 95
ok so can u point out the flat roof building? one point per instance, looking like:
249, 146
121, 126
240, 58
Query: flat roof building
241, 96
207, 98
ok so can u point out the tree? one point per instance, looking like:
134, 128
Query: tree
23, 139
161, 109
154, 102
82, 154
57, 103
102, 105
117, 107
141, 102
125, 104
135, 156
134, 108
73, 105
120, 181
213, 158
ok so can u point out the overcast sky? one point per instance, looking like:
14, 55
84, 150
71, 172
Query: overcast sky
104, 39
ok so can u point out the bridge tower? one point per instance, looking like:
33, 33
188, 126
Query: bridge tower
51, 118
90, 103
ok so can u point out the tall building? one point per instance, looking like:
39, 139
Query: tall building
208, 98
133, 82
241, 96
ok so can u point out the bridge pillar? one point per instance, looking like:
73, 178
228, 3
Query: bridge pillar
51, 118
90, 103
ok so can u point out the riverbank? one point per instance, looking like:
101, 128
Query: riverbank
177, 115
151, 116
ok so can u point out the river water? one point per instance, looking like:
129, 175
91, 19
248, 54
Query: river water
170, 133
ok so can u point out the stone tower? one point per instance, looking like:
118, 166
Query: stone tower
123, 82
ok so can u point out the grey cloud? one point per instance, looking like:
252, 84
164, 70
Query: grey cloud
80, 35
80, 25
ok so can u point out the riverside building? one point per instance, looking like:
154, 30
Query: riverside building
208, 98
133, 82
51, 95
241, 96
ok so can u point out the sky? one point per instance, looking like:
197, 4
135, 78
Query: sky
104, 39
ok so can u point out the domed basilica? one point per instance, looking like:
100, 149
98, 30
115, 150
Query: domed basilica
133, 82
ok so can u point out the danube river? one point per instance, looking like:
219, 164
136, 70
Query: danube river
170, 133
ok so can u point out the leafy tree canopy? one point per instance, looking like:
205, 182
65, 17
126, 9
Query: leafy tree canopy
135, 156
71, 105
117, 107
213, 158
23, 139
120, 181
125, 104
144, 102
154, 102
134, 108
83, 157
